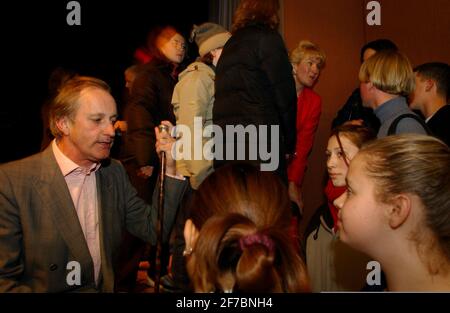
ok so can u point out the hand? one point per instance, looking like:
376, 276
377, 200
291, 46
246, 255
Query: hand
164, 142
295, 194
121, 125
145, 171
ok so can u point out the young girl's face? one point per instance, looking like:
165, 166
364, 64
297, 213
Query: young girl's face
361, 220
337, 169
173, 46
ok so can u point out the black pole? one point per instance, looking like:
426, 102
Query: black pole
160, 220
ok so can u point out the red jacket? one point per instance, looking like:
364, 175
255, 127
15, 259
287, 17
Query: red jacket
309, 107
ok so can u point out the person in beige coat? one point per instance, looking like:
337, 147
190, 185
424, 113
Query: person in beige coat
63, 211
193, 100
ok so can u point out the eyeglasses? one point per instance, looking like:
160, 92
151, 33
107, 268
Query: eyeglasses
178, 44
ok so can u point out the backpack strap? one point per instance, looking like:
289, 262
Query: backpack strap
393, 128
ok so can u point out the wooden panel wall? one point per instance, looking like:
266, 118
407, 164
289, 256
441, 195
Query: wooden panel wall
420, 28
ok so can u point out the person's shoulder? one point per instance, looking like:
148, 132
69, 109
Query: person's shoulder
313, 100
256, 30
197, 70
27, 166
111, 165
409, 124
155, 66
444, 111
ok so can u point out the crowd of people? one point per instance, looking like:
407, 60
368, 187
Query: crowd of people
73, 218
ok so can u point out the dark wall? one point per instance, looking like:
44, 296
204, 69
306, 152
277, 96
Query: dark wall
36, 39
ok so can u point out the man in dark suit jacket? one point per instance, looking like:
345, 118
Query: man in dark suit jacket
430, 96
63, 211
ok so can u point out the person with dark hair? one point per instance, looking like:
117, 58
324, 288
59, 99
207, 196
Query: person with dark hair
63, 211
328, 260
150, 103
255, 90
431, 97
375, 46
397, 210
58, 77
236, 239
353, 109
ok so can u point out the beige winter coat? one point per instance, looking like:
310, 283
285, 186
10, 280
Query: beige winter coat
193, 98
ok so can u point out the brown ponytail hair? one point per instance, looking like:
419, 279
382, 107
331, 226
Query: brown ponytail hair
243, 216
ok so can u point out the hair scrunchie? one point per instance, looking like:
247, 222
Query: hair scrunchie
257, 238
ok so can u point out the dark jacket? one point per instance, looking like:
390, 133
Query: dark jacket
353, 109
439, 124
255, 85
149, 104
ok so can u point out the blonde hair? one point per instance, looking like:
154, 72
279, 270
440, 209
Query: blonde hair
304, 49
414, 164
389, 71
66, 103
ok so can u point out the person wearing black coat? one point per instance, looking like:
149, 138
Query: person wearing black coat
255, 87
353, 109
149, 104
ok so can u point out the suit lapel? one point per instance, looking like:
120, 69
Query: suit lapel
56, 196
104, 190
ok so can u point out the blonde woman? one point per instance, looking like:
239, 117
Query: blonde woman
397, 210
307, 61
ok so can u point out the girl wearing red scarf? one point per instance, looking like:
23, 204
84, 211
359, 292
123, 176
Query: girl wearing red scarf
332, 265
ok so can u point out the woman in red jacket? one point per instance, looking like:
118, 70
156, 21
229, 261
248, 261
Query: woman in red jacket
307, 61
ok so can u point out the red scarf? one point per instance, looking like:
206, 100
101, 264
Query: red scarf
332, 193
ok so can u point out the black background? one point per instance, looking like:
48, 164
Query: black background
35, 38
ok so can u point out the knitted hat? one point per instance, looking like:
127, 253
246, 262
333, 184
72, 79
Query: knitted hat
209, 36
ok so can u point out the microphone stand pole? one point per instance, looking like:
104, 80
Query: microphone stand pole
160, 220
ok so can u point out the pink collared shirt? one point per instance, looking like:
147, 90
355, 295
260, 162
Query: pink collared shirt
83, 189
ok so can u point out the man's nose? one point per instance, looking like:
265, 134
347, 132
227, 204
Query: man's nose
110, 130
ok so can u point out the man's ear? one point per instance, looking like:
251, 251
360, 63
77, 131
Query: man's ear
63, 125
190, 234
398, 210
429, 84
